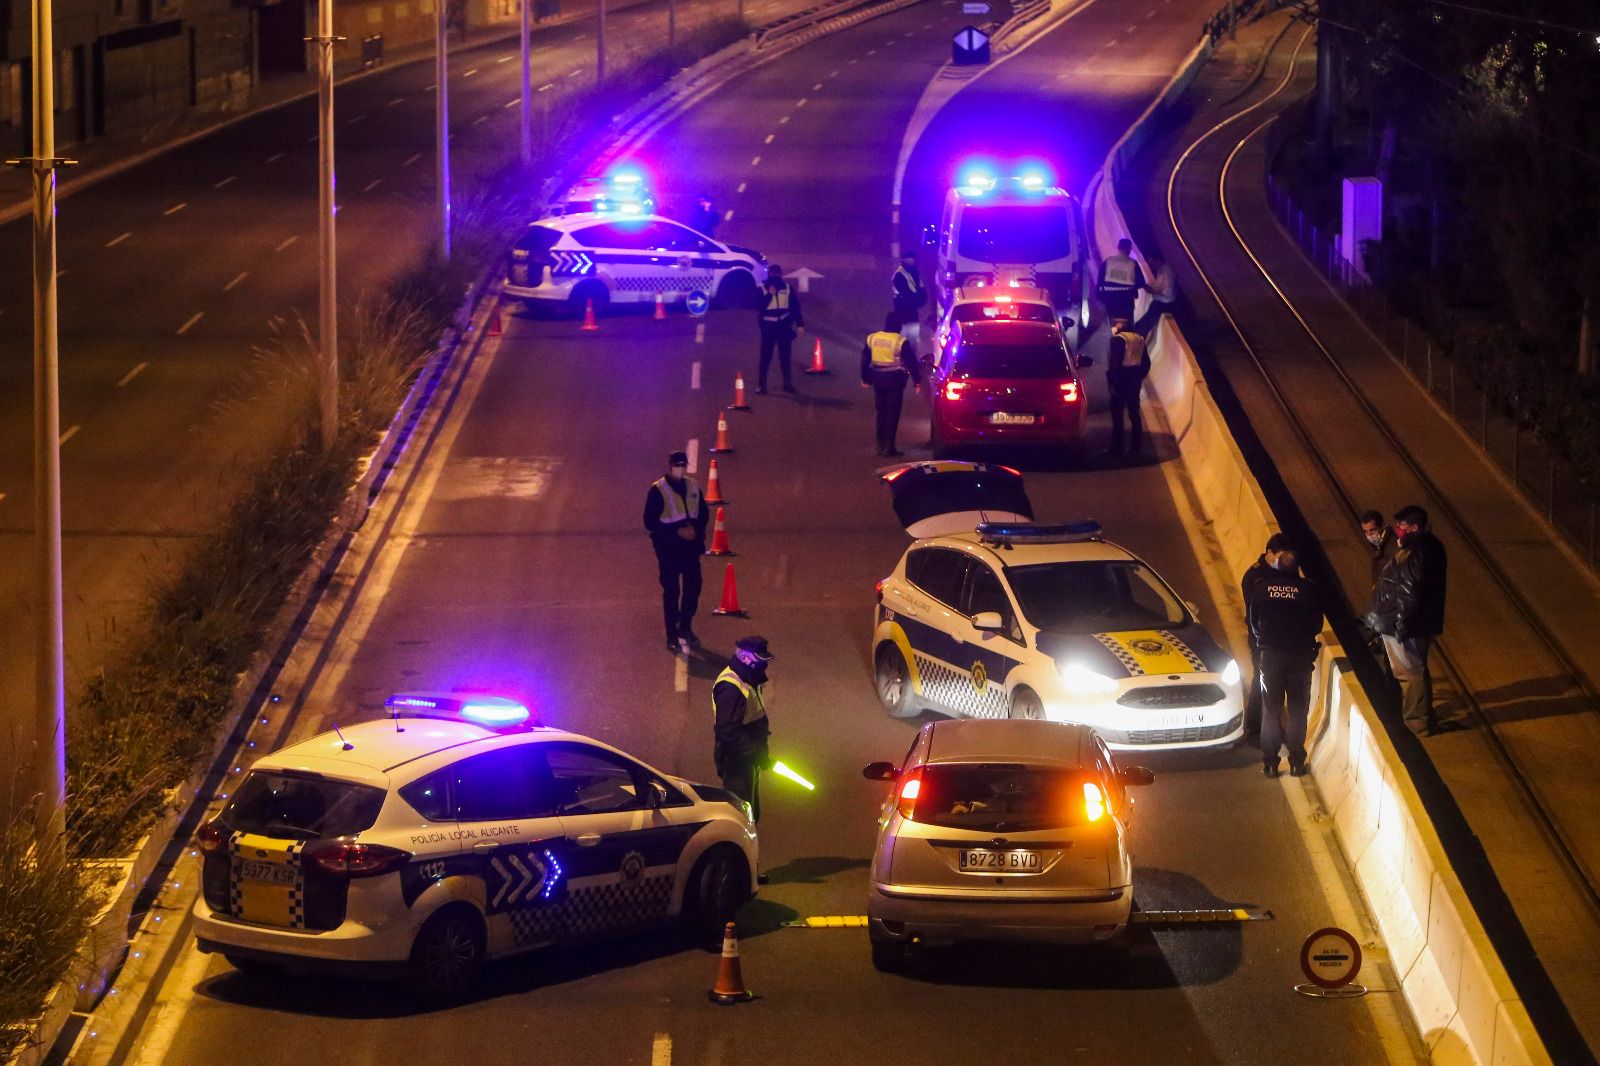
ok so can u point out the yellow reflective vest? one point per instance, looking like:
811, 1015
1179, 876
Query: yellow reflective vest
885, 349
755, 707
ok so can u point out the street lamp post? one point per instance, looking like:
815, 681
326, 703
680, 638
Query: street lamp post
672, 24
441, 130
527, 86
600, 46
327, 203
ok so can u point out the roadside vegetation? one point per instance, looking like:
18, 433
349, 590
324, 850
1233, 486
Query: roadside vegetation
142, 726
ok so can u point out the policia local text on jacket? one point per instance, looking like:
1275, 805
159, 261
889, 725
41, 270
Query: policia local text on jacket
1285, 615
887, 360
675, 516
739, 732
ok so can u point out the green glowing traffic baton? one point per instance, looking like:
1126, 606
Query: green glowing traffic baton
784, 771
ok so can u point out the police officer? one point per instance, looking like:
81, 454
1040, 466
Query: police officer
910, 296
739, 732
1120, 282
1127, 365
675, 516
780, 321
1260, 570
1285, 614
703, 216
887, 359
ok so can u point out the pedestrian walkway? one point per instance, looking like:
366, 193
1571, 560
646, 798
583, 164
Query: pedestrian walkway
1518, 664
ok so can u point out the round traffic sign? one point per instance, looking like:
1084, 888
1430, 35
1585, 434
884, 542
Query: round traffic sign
698, 302
1330, 958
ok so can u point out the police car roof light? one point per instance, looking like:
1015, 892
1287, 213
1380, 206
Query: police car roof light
491, 711
1061, 533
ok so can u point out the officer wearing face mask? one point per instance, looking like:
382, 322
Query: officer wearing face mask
675, 516
1284, 610
740, 730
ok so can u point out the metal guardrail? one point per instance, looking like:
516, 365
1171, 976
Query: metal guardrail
804, 20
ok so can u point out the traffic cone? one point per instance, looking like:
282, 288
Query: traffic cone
661, 308
589, 323
730, 979
739, 402
723, 445
816, 366
714, 487
719, 535
730, 597
494, 323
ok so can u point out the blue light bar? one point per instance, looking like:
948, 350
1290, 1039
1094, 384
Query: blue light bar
492, 711
1061, 533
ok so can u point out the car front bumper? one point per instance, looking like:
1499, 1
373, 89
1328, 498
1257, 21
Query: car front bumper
1135, 728
1094, 918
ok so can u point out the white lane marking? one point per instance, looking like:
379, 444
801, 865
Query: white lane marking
506, 58
872, 51
728, 215
910, 33
171, 1011
577, 73
852, 62
225, 182
397, 101
1108, 45
680, 683
413, 159
694, 455
175, 208
784, 121
699, 334
358, 118
470, 73
694, 368
286, 243
480, 119
661, 1046
770, 138
432, 87
130, 375
113, 242
229, 287
72, 431
890, 43
513, 102
547, 86
741, 187
756, 162
802, 101
187, 326
60, 274
817, 88
373, 184
275, 158
834, 73
312, 139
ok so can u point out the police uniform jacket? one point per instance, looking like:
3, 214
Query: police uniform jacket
1285, 612
1258, 572
905, 361
669, 507
740, 728
1119, 376
780, 308
909, 294
1408, 600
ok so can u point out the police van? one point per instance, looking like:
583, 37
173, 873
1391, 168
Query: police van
453, 832
993, 226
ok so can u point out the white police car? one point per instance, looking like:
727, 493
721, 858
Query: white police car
607, 258
990, 616
622, 190
452, 833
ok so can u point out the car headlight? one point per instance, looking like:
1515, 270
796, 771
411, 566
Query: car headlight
1082, 681
1230, 673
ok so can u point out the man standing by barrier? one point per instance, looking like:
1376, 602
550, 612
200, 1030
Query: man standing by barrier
1407, 610
1127, 365
1285, 615
675, 516
910, 296
1120, 282
1163, 290
1260, 570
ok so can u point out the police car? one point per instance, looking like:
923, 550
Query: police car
622, 191
605, 258
453, 832
1015, 300
988, 615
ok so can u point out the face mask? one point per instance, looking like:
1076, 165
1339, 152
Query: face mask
677, 473
1374, 538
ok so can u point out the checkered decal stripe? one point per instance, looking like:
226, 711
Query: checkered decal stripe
954, 689
596, 908
297, 890
1124, 656
1183, 649
534, 926
670, 287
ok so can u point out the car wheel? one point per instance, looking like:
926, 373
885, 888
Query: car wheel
1025, 704
888, 956
718, 887
447, 956
894, 682
738, 289
596, 291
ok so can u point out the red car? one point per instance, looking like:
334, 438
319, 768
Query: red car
1008, 382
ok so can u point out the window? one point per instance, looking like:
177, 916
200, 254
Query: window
592, 781
505, 785
537, 240
999, 797
1012, 361
430, 796
986, 593
640, 236
939, 574
1024, 311
1094, 597
301, 806
1033, 233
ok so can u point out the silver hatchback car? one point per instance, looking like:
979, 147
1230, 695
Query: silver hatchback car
1001, 830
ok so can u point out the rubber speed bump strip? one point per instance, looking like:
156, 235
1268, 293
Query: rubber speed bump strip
1224, 914
829, 921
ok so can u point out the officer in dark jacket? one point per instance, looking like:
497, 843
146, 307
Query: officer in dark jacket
780, 321
910, 296
1127, 365
887, 360
1407, 610
740, 730
675, 516
1285, 614
1259, 571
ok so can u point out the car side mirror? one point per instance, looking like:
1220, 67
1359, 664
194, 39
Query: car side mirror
1086, 360
988, 621
880, 771
1137, 775
655, 795
930, 235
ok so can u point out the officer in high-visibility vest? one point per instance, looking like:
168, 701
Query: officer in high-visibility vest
675, 516
740, 729
1120, 282
887, 359
1127, 365
780, 321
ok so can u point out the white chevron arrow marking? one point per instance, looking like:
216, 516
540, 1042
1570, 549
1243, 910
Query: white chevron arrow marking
527, 878
505, 881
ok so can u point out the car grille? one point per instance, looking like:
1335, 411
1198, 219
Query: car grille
1162, 696
1190, 735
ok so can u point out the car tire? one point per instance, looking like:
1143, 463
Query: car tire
1026, 705
718, 886
447, 956
892, 677
888, 956
578, 302
738, 290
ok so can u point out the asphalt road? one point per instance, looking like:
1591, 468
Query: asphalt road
170, 273
519, 565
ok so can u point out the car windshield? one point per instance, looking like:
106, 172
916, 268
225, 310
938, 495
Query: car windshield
1099, 596
1023, 311
301, 806
1011, 361
999, 797
537, 240
1025, 233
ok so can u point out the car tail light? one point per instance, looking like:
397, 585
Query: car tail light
1094, 802
1069, 392
954, 389
910, 789
348, 859
877, 587
210, 836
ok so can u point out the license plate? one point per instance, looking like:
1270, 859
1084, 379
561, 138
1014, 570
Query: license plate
1005, 418
1024, 862
268, 872
1179, 721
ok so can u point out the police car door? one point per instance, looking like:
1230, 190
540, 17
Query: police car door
693, 260
935, 628
625, 829
513, 839
990, 653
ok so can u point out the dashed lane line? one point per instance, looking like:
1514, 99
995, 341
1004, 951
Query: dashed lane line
756, 162
694, 367
286, 243
661, 1043
727, 216
470, 73
694, 455
577, 73
802, 101
358, 118
275, 158
680, 683
130, 375
175, 208
770, 138
699, 336
225, 182
373, 184
193, 319
312, 139
113, 242
230, 286
513, 102
480, 120
72, 431
784, 121
547, 86
397, 101
413, 159
506, 58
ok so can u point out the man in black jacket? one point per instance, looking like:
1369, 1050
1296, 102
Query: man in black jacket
1285, 614
909, 297
1407, 610
739, 731
1259, 571
1127, 365
1381, 544
675, 516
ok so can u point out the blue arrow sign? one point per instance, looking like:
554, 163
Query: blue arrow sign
697, 302
971, 38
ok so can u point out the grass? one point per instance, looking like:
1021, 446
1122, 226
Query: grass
44, 913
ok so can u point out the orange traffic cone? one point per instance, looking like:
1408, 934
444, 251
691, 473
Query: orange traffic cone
714, 487
739, 402
730, 979
719, 535
730, 597
661, 308
816, 366
589, 323
723, 445
494, 323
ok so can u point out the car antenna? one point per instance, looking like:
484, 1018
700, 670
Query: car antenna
345, 744
394, 712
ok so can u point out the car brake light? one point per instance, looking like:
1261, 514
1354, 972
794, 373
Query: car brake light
954, 389
877, 587
348, 859
1094, 802
910, 789
1069, 392
211, 837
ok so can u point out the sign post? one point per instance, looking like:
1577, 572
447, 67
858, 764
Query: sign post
1330, 958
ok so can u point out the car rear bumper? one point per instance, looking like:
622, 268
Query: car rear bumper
1061, 429
353, 945
1090, 920
554, 293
